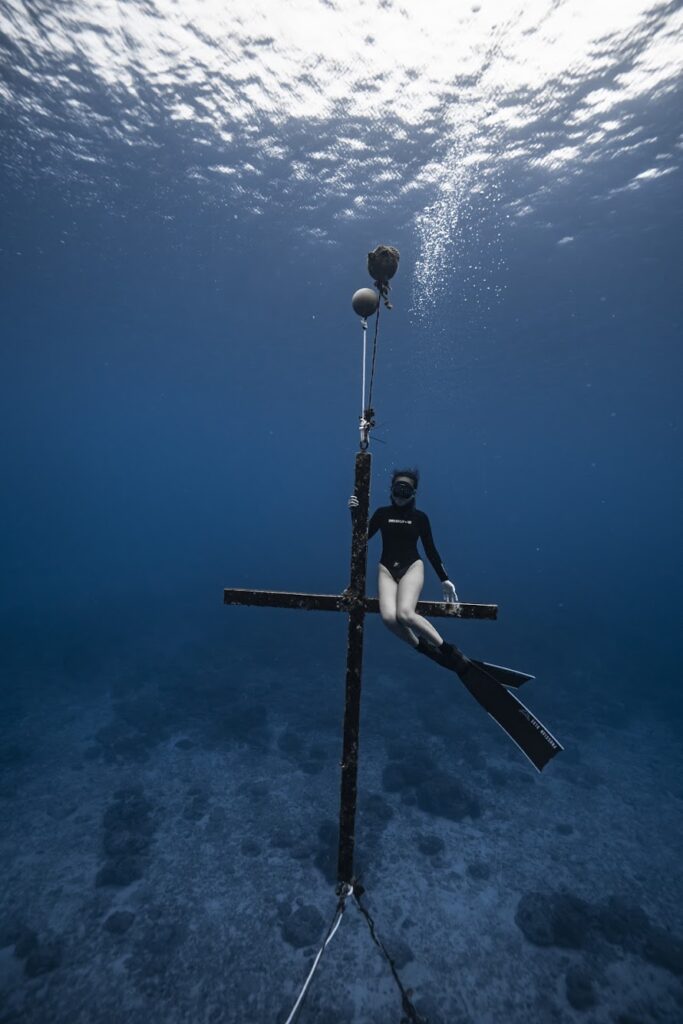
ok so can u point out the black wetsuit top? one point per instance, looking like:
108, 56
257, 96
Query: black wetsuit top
401, 528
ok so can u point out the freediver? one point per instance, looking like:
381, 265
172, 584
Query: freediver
401, 570
400, 583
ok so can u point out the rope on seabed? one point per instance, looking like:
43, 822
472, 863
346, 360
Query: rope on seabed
411, 1014
336, 921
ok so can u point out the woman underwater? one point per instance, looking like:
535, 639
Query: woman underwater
400, 582
401, 570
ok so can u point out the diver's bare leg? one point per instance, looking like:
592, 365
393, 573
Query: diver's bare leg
388, 588
408, 594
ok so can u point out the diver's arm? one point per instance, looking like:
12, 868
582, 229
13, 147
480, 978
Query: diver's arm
374, 524
449, 593
430, 548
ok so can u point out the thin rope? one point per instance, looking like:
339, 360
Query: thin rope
412, 1016
374, 353
336, 921
365, 339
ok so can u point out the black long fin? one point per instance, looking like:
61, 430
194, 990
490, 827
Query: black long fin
535, 741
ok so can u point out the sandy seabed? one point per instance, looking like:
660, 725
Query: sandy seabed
168, 851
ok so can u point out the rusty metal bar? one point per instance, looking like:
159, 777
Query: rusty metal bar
343, 603
354, 665
284, 599
443, 610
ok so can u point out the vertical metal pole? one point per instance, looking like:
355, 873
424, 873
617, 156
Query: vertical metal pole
354, 664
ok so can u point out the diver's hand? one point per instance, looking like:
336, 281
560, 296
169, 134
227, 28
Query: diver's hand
449, 594
353, 502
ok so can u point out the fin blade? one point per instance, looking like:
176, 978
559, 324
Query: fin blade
506, 676
535, 741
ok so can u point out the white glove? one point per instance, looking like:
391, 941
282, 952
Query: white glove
353, 502
449, 594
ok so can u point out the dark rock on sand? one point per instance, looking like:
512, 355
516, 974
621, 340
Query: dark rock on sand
664, 950
10, 931
304, 927
376, 811
622, 923
580, 992
25, 943
43, 960
119, 922
128, 832
445, 797
119, 872
479, 870
430, 845
400, 952
250, 848
554, 919
415, 767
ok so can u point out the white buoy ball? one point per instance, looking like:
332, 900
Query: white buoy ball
365, 302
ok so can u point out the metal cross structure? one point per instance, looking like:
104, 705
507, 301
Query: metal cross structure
356, 604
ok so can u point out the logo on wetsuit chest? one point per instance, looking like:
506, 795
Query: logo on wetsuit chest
408, 522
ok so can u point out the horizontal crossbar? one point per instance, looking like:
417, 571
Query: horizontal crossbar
341, 603
444, 609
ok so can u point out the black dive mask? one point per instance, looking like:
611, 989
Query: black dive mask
402, 489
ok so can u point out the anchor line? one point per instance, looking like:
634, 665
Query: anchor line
374, 353
345, 890
412, 1016
367, 417
365, 346
336, 921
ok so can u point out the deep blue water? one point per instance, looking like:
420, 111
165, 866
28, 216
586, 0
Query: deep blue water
188, 195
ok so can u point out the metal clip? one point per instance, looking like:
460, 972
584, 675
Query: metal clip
367, 422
